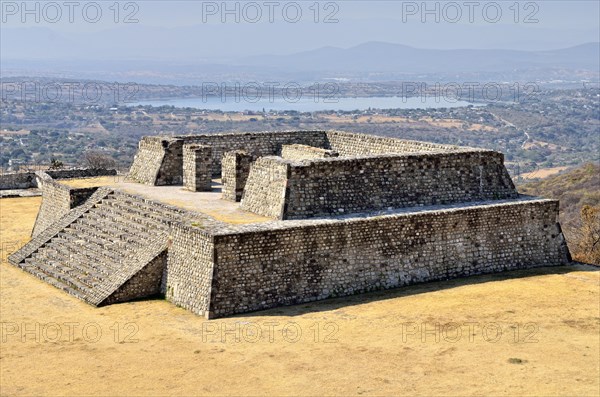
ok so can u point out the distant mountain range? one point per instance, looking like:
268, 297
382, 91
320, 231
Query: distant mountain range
387, 57
44, 52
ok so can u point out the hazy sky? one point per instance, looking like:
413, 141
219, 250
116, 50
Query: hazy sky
162, 13
571, 14
241, 28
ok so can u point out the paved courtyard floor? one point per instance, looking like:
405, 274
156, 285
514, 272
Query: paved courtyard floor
209, 203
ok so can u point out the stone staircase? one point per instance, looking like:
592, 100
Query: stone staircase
102, 246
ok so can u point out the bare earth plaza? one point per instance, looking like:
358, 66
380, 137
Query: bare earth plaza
222, 224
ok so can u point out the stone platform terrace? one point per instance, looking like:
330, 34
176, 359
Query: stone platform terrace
378, 213
208, 203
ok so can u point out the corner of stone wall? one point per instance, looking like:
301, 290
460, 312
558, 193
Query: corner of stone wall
147, 161
57, 201
188, 276
564, 251
266, 188
235, 168
171, 167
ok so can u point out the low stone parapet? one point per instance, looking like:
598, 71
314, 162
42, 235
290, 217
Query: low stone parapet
305, 152
197, 164
235, 170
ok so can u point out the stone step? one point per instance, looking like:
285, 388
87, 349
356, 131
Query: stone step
59, 272
65, 270
30, 266
90, 238
140, 213
148, 204
96, 227
87, 262
90, 249
122, 227
127, 223
75, 243
154, 208
102, 246
73, 261
88, 230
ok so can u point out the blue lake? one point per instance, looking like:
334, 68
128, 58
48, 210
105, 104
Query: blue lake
308, 104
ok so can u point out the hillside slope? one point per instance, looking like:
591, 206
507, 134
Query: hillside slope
575, 189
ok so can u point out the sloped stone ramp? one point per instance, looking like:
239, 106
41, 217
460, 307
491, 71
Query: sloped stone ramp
110, 249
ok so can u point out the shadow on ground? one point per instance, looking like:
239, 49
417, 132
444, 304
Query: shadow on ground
359, 299
410, 290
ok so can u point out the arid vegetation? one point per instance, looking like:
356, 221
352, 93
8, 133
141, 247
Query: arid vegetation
588, 238
95, 159
579, 194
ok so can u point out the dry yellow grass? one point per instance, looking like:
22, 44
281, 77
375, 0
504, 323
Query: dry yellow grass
17, 216
533, 144
366, 345
444, 123
543, 173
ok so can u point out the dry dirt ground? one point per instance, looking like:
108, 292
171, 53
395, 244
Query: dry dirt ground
543, 173
533, 333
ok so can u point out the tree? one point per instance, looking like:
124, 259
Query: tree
56, 164
94, 159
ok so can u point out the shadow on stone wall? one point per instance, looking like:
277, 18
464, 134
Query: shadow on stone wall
417, 289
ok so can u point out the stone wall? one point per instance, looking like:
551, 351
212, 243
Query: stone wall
299, 261
57, 201
235, 170
304, 152
159, 158
148, 159
197, 167
80, 173
188, 277
18, 180
28, 180
255, 144
265, 190
353, 144
338, 186
171, 168
54, 229
145, 283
